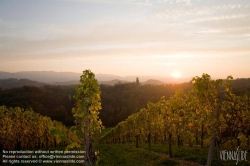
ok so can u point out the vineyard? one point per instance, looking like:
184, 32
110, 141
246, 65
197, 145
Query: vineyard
25, 129
180, 126
209, 111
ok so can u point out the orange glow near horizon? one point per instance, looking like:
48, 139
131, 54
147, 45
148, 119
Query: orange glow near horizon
176, 74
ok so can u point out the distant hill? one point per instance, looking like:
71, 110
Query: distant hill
240, 85
153, 82
244, 82
73, 82
113, 82
76, 82
66, 78
54, 77
42, 76
71, 78
15, 83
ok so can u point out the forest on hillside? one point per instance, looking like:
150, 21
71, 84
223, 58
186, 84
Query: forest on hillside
118, 101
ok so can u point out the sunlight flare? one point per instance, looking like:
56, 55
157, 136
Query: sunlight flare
176, 74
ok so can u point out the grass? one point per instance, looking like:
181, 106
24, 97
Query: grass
125, 155
194, 154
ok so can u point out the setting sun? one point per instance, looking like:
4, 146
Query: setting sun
176, 74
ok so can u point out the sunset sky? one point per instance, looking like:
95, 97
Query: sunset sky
181, 38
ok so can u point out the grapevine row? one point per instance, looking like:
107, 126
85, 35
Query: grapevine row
25, 129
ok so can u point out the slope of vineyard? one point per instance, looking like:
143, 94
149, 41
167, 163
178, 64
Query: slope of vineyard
24, 129
209, 111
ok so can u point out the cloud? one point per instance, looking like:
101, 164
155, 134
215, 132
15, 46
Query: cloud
82, 47
187, 2
129, 2
200, 29
230, 19
219, 18
202, 11
119, 39
210, 31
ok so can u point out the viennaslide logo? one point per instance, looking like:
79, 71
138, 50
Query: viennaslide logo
233, 155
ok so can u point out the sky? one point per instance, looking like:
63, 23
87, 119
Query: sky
180, 38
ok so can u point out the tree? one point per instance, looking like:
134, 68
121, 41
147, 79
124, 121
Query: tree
86, 110
137, 81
